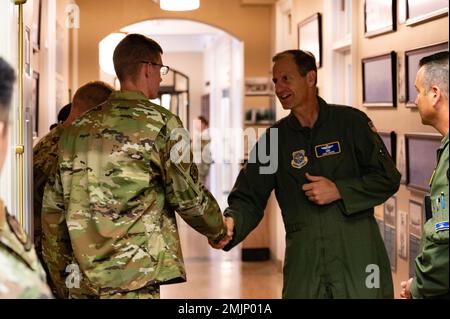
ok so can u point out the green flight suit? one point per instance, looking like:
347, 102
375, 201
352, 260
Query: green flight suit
331, 250
432, 280
109, 211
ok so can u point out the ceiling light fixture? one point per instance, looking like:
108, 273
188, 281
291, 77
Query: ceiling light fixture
179, 5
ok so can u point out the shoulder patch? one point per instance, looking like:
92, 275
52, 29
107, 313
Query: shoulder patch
441, 226
18, 232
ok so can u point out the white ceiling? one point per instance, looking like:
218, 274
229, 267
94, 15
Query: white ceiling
176, 35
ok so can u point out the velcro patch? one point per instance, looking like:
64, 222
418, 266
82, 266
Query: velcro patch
328, 149
441, 226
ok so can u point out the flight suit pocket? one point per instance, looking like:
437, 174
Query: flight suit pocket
343, 216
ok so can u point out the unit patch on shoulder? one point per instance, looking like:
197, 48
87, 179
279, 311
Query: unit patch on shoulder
332, 148
18, 232
441, 226
299, 159
372, 127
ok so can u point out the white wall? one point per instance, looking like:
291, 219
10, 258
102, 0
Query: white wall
191, 64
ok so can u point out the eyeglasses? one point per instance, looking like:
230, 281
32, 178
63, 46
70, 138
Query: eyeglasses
164, 68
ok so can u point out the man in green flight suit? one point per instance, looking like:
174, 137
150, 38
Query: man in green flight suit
432, 278
123, 171
45, 155
329, 170
21, 274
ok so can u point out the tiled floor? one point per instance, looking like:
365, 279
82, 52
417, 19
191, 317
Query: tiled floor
213, 274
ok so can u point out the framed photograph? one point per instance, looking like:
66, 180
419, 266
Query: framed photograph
35, 103
390, 242
379, 17
390, 212
380, 223
401, 157
390, 141
310, 36
412, 58
258, 86
418, 11
415, 218
379, 80
414, 249
420, 159
36, 25
403, 235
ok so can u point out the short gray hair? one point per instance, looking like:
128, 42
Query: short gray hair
435, 71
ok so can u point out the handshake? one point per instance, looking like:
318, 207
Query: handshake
229, 222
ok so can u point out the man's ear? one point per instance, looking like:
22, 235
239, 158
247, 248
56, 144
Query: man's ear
436, 94
311, 77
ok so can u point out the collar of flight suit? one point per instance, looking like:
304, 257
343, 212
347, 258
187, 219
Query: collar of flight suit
127, 95
324, 110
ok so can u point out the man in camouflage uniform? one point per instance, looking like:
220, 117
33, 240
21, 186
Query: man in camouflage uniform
110, 210
21, 274
431, 264
45, 151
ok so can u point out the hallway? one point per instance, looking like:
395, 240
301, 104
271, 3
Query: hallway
214, 274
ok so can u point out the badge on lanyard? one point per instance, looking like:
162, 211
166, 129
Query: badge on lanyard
328, 149
299, 159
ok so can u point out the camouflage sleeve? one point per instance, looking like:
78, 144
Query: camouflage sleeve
55, 237
184, 192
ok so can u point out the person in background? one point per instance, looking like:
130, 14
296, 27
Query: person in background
330, 168
109, 211
202, 149
45, 151
21, 274
63, 114
431, 265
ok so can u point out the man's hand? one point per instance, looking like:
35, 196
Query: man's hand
406, 289
321, 190
229, 222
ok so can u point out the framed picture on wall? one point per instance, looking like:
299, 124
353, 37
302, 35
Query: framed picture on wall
390, 212
35, 103
390, 141
258, 86
36, 25
420, 159
403, 235
379, 17
310, 36
380, 80
418, 11
412, 58
401, 157
415, 218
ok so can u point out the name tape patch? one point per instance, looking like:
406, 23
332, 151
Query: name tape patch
328, 149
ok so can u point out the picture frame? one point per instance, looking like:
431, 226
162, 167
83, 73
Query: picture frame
420, 159
414, 250
415, 218
255, 86
401, 157
36, 25
412, 58
419, 11
309, 36
380, 80
35, 104
390, 141
380, 17
390, 242
403, 235
390, 212
27, 50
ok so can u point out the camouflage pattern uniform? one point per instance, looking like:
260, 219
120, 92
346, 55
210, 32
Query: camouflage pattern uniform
21, 274
45, 158
110, 208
